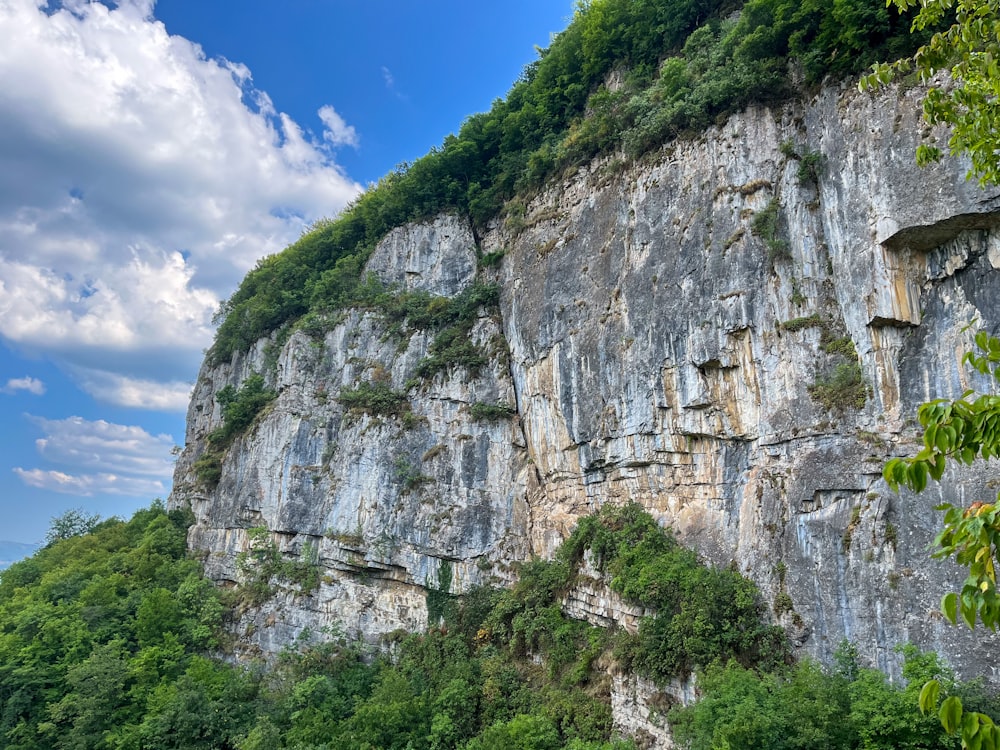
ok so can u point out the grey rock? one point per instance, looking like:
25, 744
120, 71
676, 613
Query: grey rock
657, 355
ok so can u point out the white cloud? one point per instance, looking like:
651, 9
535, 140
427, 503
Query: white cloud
99, 457
124, 449
29, 384
390, 83
337, 132
120, 390
139, 181
89, 485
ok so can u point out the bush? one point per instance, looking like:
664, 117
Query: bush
843, 388
480, 411
767, 225
240, 408
702, 614
375, 398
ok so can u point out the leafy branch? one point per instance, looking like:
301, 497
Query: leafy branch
969, 49
964, 431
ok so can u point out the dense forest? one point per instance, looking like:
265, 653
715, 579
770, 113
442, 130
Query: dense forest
111, 638
625, 77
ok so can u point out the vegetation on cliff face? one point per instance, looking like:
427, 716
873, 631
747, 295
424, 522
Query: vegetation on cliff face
626, 75
239, 408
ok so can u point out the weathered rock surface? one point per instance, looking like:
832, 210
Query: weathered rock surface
656, 354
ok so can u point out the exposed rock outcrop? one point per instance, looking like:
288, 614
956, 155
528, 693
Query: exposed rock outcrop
734, 341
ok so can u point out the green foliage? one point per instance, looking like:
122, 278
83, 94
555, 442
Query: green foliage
783, 603
104, 635
842, 385
376, 398
407, 473
73, 522
807, 706
811, 163
481, 411
492, 260
810, 169
208, 468
262, 567
807, 321
103, 642
962, 431
452, 345
99, 635
768, 226
843, 388
703, 615
240, 408
967, 44
450, 319
439, 598
844, 346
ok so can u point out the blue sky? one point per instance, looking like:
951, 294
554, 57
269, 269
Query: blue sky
150, 154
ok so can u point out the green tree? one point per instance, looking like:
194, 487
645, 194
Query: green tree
73, 522
968, 47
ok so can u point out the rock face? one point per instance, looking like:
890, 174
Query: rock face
734, 332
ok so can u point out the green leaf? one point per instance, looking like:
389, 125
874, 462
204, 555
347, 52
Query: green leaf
991, 736
970, 725
918, 476
969, 615
951, 714
949, 605
972, 738
929, 696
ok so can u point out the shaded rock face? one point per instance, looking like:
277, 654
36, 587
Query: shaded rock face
732, 340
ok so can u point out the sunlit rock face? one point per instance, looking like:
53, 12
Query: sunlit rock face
734, 332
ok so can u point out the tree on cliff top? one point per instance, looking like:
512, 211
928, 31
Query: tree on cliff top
970, 50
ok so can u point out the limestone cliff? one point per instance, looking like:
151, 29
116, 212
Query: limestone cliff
735, 332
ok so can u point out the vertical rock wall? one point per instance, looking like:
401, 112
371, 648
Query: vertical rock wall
713, 332
746, 381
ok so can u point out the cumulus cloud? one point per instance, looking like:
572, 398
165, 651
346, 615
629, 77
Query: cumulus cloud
140, 393
99, 457
29, 384
139, 181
